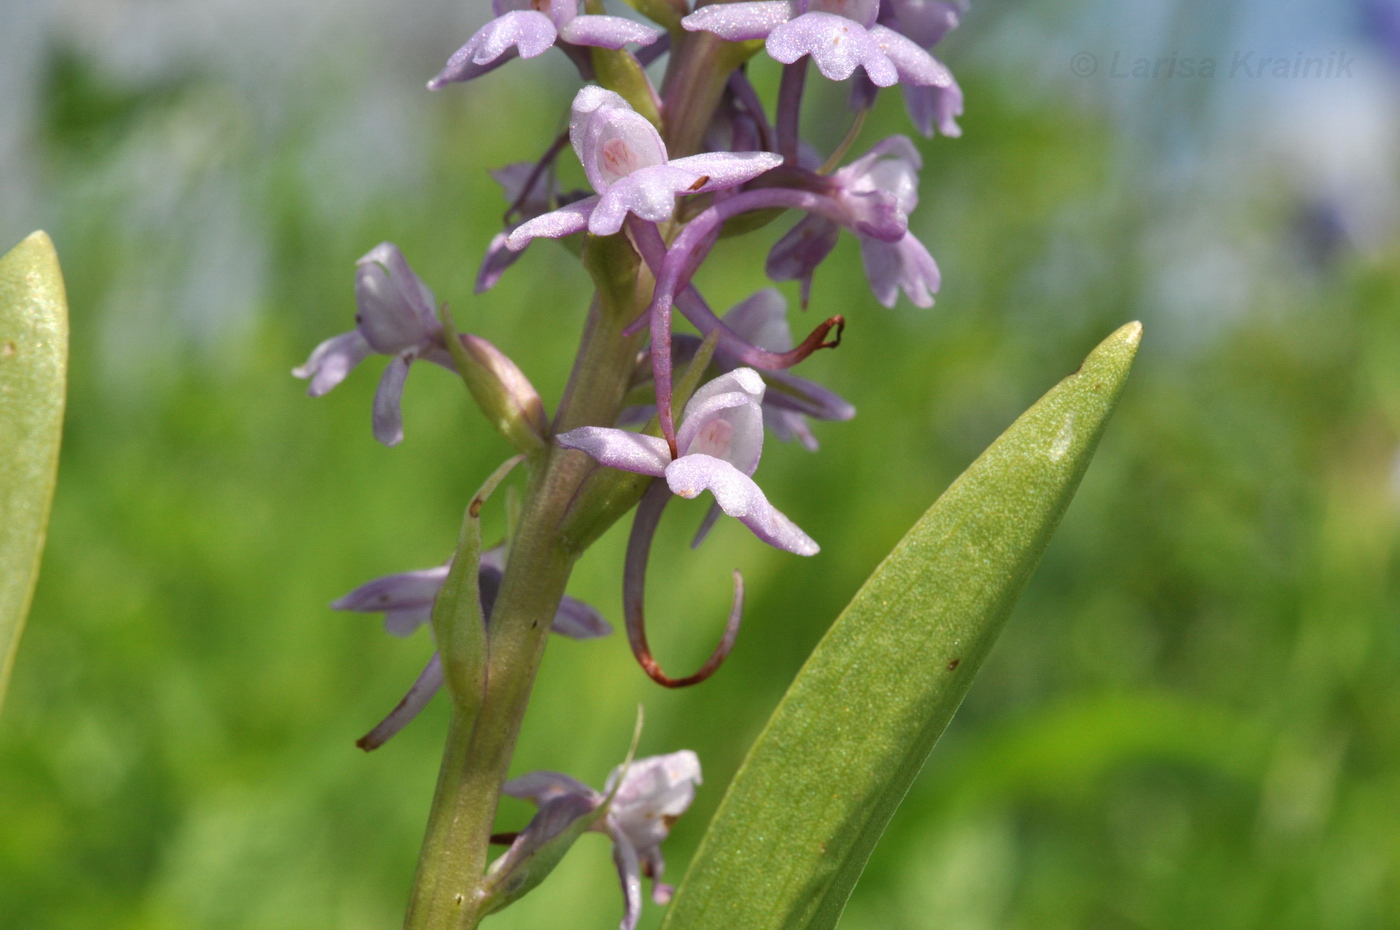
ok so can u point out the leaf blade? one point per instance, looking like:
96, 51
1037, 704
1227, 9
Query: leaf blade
821, 782
33, 370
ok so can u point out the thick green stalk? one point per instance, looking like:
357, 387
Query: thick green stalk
447, 891
699, 68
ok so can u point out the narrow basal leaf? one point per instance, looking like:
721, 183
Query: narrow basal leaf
797, 825
33, 364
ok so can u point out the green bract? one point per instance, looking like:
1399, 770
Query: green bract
818, 787
33, 365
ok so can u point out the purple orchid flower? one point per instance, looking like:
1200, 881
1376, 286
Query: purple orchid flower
627, 164
839, 35
527, 28
718, 447
653, 792
891, 168
406, 601
719, 444
396, 317
925, 23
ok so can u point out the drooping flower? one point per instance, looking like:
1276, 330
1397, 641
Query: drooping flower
628, 166
890, 169
719, 444
527, 28
396, 317
924, 22
406, 601
652, 794
840, 35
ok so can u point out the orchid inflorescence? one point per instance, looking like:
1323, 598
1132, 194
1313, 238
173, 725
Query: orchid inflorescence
671, 170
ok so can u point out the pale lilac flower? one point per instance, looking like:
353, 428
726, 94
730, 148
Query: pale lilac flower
527, 28
652, 794
889, 170
627, 164
719, 444
840, 35
397, 318
924, 22
406, 600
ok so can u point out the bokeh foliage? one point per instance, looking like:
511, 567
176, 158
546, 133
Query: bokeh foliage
1191, 719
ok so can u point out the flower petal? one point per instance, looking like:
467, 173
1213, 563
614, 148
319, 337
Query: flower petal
904, 265
404, 623
422, 691
332, 360
531, 32
926, 21
838, 45
739, 22
397, 311
726, 169
630, 874
796, 256
789, 425
402, 591
617, 448
615, 143
460, 68
608, 31
543, 787
935, 106
578, 620
656, 787
591, 101
739, 497
708, 522
650, 193
388, 418
567, 220
913, 64
761, 318
787, 391
727, 426
498, 258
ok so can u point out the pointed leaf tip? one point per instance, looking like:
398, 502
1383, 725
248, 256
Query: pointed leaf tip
33, 369
799, 820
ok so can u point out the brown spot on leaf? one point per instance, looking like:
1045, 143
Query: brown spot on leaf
953, 664
7, 349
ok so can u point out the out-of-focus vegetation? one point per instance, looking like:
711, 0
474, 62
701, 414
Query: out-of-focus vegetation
1192, 719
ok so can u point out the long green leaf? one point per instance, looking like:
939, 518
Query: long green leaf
33, 365
818, 787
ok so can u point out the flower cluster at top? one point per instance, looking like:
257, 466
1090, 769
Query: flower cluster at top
672, 169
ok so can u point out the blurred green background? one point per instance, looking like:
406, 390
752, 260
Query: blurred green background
1192, 719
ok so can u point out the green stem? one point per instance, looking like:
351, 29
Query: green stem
699, 68
447, 889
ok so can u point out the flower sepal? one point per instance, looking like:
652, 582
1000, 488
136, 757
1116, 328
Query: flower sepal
567, 809
539, 849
